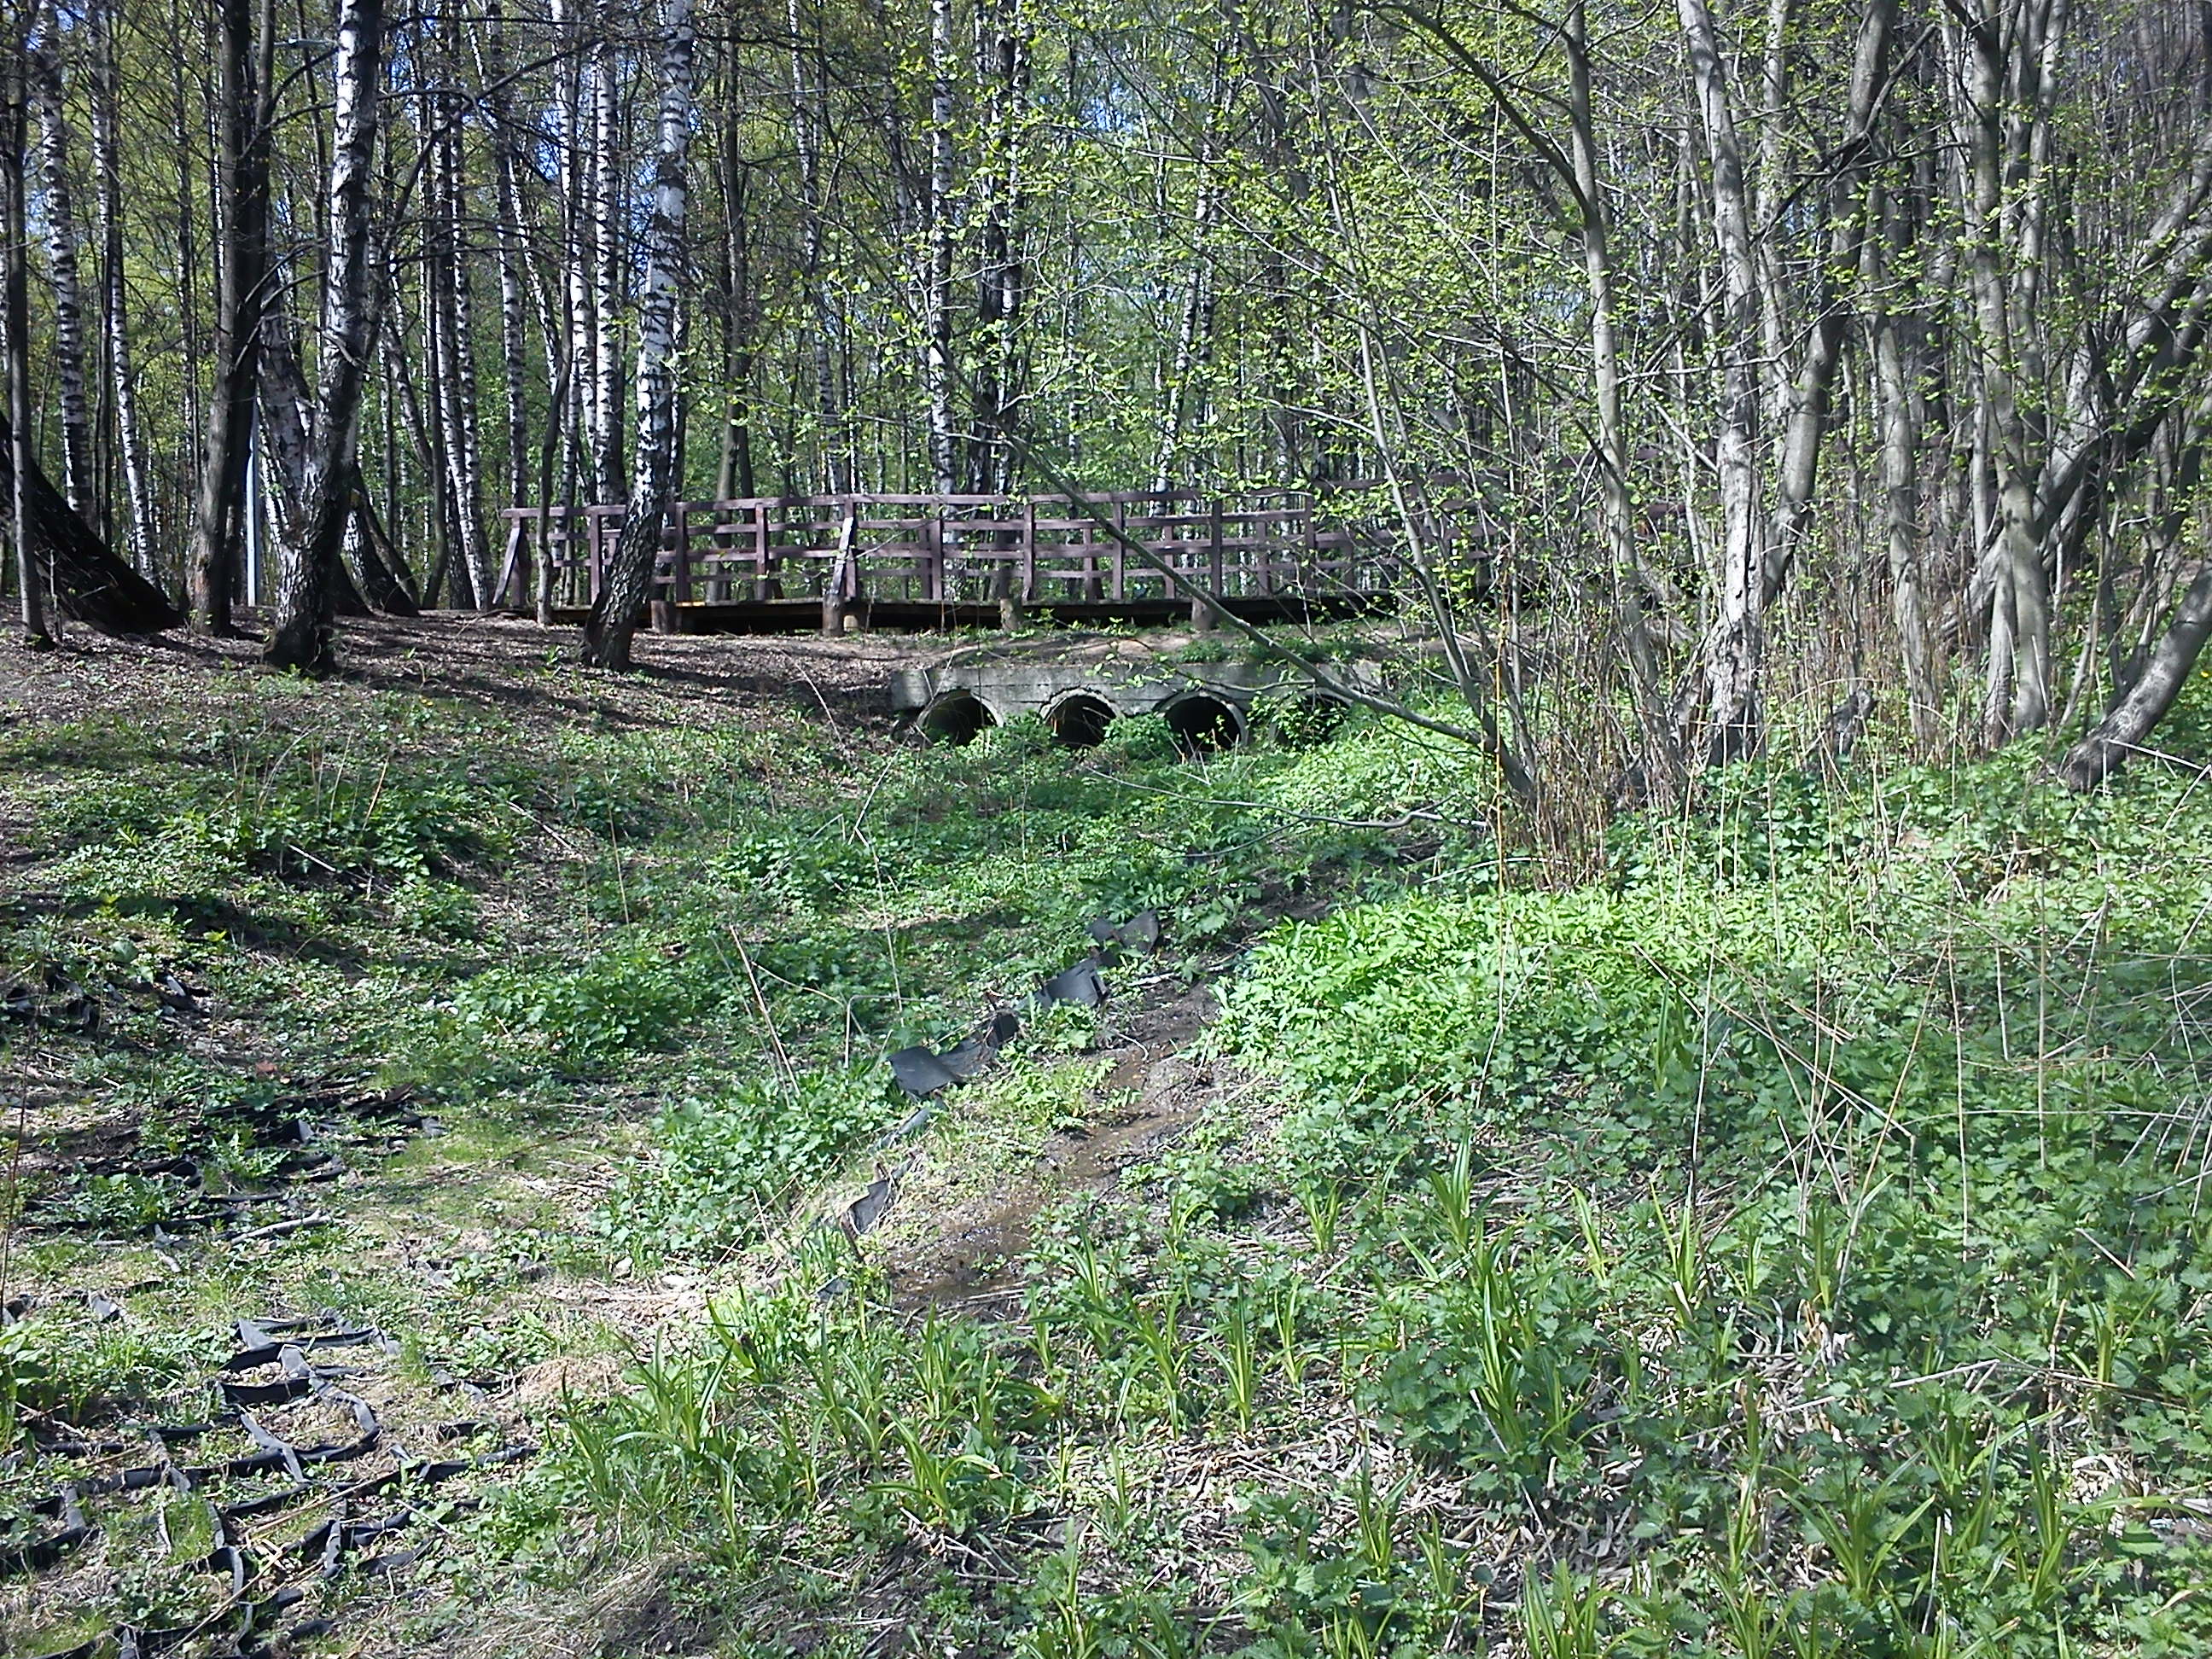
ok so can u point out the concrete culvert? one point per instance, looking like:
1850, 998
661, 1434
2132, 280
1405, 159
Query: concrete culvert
1079, 719
957, 718
1201, 722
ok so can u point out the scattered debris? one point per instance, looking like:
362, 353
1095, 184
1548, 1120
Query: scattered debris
275, 1369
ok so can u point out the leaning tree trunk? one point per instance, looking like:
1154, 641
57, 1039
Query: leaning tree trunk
629, 573
301, 637
2121, 732
90, 583
62, 275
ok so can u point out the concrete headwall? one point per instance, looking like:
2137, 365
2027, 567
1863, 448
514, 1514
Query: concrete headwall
1208, 702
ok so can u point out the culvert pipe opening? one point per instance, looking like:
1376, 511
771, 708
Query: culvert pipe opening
1201, 722
1079, 719
955, 718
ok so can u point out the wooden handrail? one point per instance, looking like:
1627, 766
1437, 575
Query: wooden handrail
967, 550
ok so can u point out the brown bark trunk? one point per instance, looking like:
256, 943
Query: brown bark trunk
246, 65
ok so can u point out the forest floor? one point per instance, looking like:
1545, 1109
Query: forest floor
458, 1203
242, 1087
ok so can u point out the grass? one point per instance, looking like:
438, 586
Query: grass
641, 988
1788, 1241
1789, 1245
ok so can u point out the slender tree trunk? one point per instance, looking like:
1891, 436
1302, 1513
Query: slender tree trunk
194, 342
287, 414
630, 575
1195, 330
733, 475
1735, 652
454, 364
1897, 374
244, 70
512, 257
78, 483
607, 276
2007, 119
807, 139
937, 274
300, 638
138, 525
1630, 583
1807, 427
578, 419
15, 304
1001, 282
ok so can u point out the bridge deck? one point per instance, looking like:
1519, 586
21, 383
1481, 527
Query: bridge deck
777, 565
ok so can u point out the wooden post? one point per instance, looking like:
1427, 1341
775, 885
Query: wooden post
1028, 553
681, 587
1201, 613
1310, 576
835, 593
1121, 529
1020, 584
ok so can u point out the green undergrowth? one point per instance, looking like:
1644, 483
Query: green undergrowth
629, 982
430, 895
1790, 1244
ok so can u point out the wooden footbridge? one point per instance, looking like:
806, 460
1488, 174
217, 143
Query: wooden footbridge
785, 563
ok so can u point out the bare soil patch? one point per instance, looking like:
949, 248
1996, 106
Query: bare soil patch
679, 680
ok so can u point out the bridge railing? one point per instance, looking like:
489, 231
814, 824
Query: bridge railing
959, 550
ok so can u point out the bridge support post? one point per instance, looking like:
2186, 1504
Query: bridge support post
1201, 613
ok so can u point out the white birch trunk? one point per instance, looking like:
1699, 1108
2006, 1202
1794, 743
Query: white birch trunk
108, 190
1735, 652
629, 573
300, 638
78, 483
606, 438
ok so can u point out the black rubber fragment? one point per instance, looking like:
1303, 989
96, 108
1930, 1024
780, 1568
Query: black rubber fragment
1140, 934
919, 1071
1080, 985
865, 1211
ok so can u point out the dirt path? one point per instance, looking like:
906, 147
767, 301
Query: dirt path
967, 1255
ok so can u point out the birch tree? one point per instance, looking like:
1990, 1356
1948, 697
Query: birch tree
139, 528
629, 573
300, 637
59, 212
